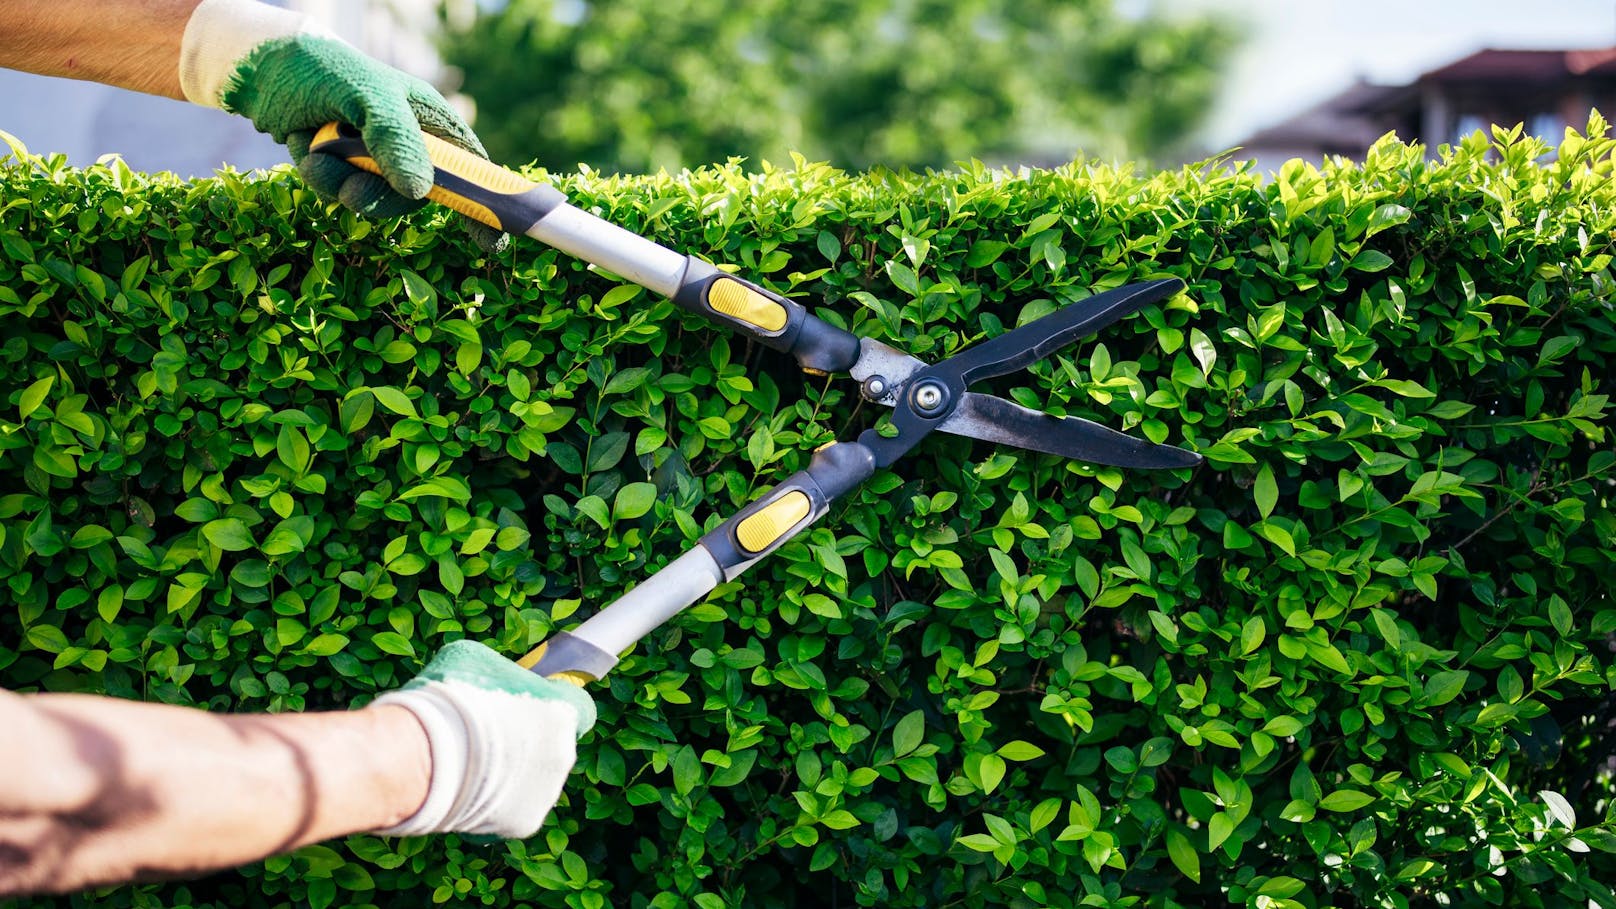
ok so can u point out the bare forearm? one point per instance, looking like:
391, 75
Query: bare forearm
102, 790
128, 43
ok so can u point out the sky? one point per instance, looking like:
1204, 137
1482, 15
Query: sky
1300, 52
1295, 54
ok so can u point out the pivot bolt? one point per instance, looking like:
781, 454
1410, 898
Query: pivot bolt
929, 398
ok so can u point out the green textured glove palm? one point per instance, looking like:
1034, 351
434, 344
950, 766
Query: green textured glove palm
289, 87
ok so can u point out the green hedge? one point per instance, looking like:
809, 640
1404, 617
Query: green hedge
259, 454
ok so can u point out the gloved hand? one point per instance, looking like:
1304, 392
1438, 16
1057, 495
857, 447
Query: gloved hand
276, 68
502, 742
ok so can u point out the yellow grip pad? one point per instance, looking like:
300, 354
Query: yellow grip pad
475, 169
533, 656
736, 300
451, 159
763, 529
571, 676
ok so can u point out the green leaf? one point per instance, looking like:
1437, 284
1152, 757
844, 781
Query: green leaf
608, 449
1415, 868
979, 842
992, 771
627, 380
619, 295
1386, 216
1443, 687
252, 573
1450, 410
445, 487
1321, 250
1019, 750
1283, 726
1345, 800
48, 638
1183, 854
633, 500
1557, 347
394, 400
1406, 388
509, 538
829, 246
353, 876
840, 819
394, 643
196, 510
356, 412
293, 449
594, 508
1266, 491
229, 534
33, 396
1044, 814
1371, 260
903, 277
1155, 752
1559, 808
327, 644
985, 252
1298, 811
1560, 616
686, 770
55, 462
418, 290
1277, 535
89, 536
1252, 634
1205, 353
109, 603
1100, 363
908, 733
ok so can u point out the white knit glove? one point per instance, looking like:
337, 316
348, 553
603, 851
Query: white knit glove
502, 739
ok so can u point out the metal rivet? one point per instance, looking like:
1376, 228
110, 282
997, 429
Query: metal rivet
875, 388
929, 398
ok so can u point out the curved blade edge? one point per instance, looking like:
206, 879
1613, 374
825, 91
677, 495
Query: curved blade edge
993, 419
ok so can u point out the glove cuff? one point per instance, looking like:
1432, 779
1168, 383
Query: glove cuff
447, 740
221, 32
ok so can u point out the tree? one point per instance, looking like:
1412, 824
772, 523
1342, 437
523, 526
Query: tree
633, 85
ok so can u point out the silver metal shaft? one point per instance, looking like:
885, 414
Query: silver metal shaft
652, 602
578, 233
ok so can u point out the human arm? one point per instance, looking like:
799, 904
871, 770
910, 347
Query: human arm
72, 39
277, 68
98, 790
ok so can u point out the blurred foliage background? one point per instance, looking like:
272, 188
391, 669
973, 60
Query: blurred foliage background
637, 85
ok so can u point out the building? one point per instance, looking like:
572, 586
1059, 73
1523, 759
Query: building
1546, 90
84, 120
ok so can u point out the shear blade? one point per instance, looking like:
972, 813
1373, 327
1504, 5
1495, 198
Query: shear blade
994, 419
1023, 346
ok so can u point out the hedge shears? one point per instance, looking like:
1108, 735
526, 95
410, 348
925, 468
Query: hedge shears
924, 397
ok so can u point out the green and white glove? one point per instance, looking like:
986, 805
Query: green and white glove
280, 70
502, 740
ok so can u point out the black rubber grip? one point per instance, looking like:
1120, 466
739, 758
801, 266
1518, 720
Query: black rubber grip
817, 345
750, 533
